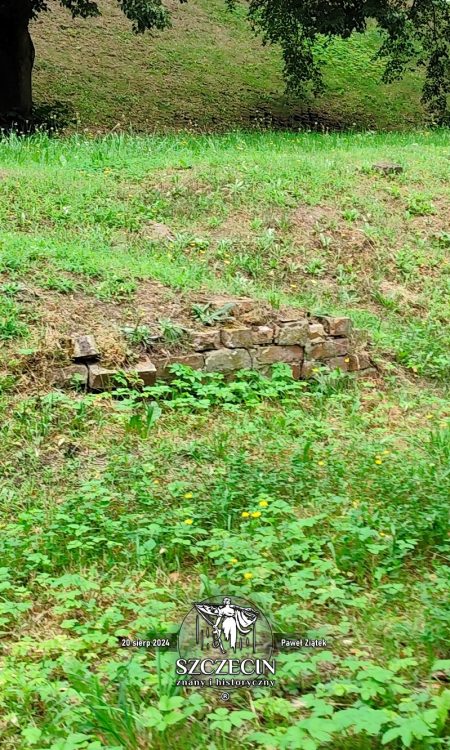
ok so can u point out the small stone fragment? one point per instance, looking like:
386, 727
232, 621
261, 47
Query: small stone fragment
336, 326
237, 338
388, 168
316, 332
227, 360
70, 376
329, 349
290, 334
262, 335
163, 364
204, 340
84, 348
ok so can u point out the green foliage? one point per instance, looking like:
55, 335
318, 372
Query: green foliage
209, 316
414, 34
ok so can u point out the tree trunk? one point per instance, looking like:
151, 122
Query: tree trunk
16, 65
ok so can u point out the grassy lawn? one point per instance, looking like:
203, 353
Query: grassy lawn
175, 79
115, 515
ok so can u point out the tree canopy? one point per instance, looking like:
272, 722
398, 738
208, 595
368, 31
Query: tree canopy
415, 33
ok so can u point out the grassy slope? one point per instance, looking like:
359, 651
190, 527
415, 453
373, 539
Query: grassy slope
353, 545
207, 72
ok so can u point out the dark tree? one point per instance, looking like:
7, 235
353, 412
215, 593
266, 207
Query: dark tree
17, 51
416, 33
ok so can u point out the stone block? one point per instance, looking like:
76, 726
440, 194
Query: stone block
103, 379
203, 340
237, 338
262, 335
162, 364
336, 326
291, 334
316, 332
227, 360
359, 361
269, 355
67, 377
100, 378
339, 363
328, 349
84, 349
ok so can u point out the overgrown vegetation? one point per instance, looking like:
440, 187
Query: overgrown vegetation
324, 503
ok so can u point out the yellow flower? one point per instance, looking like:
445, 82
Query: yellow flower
378, 461
256, 514
355, 503
188, 495
188, 521
347, 360
263, 504
234, 560
245, 514
386, 453
248, 576
321, 463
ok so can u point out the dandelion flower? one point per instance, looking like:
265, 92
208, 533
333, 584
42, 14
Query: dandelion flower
188, 521
245, 514
321, 463
188, 496
256, 514
263, 504
378, 461
248, 576
234, 560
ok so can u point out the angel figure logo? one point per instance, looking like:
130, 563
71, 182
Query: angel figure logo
228, 621
225, 643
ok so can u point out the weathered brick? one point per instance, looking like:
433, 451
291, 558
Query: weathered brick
316, 332
84, 348
336, 326
263, 335
227, 360
100, 378
204, 340
163, 364
68, 376
237, 338
290, 334
291, 316
359, 361
269, 355
103, 379
328, 349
